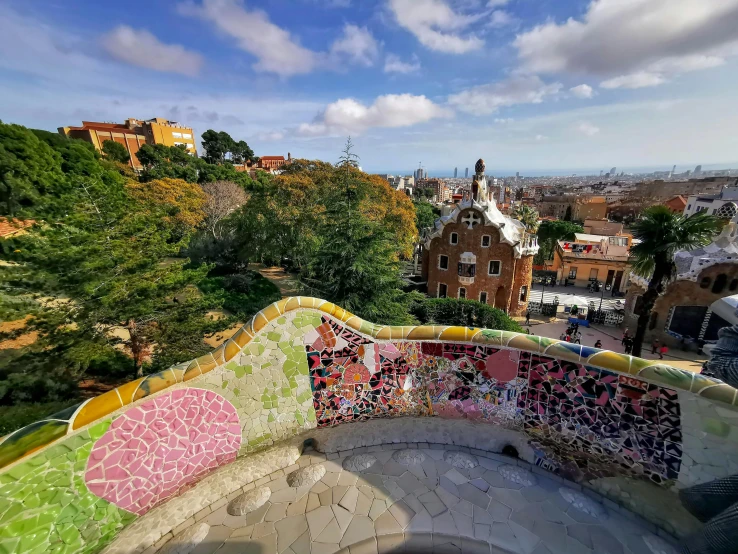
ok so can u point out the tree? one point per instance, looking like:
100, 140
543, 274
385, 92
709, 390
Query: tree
115, 151
549, 232
567, 215
30, 172
222, 199
216, 145
527, 216
425, 214
662, 233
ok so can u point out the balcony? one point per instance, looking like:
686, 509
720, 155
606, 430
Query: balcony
313, 430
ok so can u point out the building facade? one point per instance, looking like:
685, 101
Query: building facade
713, 203
703, 276
476, 252
272, 163
133, 134
593, 258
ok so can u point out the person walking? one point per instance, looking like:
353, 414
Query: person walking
655, 347
527, 318
663, 350
625, 336
598, 344
628, 343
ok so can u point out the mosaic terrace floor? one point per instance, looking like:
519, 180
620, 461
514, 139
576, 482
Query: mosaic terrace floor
413, 499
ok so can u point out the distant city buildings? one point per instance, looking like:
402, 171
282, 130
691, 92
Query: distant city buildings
456, 172
466, 173
133, 134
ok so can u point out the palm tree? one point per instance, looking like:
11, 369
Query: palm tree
527, 216
662, 233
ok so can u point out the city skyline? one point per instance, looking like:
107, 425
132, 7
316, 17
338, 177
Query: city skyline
525, 84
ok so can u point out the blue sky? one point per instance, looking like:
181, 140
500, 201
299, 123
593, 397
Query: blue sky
526, 84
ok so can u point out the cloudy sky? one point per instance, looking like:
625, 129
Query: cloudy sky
526, 84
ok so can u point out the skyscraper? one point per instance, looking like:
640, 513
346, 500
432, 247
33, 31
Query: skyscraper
673, 170
613, 171
517, 175
466, 174
456, 172
697, 171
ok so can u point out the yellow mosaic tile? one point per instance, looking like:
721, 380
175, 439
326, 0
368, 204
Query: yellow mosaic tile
96, 408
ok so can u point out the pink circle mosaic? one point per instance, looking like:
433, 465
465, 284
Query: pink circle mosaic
162, 447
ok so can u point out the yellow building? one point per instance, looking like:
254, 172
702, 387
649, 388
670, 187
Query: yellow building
133, 134
590, 258
168, 133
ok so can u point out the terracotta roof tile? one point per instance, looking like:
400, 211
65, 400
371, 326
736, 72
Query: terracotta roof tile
10, 227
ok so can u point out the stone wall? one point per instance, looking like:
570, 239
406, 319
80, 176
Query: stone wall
679, 293
624, 426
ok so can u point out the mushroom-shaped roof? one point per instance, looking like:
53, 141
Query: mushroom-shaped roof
480, 167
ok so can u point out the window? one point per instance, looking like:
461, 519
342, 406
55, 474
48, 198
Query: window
462, 292
495, 267
705, 282
689, 206
720, 283
619, 241
524, 293
593, 274
454, 239
187, 136
572, 273
177, 135
442, 262
467, 270
733, 285
486, 241
483, 297
442, 290
190, 146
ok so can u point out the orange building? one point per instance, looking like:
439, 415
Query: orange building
270, 163
133, 134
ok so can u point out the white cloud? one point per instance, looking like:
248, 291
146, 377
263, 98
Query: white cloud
586, 128
504, 120
139, 47
582, 91
393, 110
540, 138
496, 3
634, 80
501, 18
394, 64
275, 49
357, 45
436, 25
487, 99
622, 38
272, 136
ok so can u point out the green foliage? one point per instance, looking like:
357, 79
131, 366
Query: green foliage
30, 172
662, 233
527, 216
357, 261
220, 147
115, 151
465, 313
425, 214
174, 162
16, 417
245, 293
549, 232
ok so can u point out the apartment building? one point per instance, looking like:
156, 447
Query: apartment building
133, 134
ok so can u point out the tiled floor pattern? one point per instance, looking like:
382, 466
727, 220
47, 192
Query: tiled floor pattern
436, 499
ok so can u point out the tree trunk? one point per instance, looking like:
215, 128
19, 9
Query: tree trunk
136, 344
655, 285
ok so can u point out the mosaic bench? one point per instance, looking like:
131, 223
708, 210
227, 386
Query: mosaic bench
631, 430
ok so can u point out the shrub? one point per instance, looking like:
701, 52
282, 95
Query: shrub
466, 313
13, 418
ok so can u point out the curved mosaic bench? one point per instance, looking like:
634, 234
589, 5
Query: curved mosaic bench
623, 426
